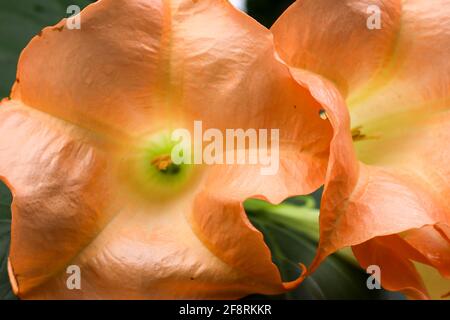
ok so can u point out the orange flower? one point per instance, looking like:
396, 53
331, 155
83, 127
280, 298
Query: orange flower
84, 150
388, 181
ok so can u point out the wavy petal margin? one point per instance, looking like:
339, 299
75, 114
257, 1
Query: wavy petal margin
82, 102
399, 106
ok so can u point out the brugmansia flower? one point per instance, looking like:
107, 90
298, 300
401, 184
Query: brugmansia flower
388, 180
84, 142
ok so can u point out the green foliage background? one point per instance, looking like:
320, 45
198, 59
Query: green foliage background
290, 229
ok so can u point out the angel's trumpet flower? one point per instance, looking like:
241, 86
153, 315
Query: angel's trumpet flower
387, 190
85, 145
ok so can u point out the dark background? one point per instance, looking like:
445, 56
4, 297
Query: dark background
267, 11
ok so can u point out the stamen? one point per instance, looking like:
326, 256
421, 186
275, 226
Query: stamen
165, 165
357, 135
162, 163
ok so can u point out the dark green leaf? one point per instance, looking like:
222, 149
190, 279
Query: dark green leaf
20, 20
5, 235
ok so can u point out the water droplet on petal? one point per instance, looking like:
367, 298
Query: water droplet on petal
323, 114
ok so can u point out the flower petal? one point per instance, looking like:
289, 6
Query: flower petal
399, 104
72, 207
410, 83
382, 71
169, 67
433, 244
50, 168
343, 49
384, 201
392, 255
405, 190
240, 245
140, 65
136, 67
395, 255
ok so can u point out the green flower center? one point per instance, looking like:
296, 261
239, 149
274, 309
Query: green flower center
154, 172
165, 165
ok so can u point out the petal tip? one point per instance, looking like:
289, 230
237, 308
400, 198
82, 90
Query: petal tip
288, 286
